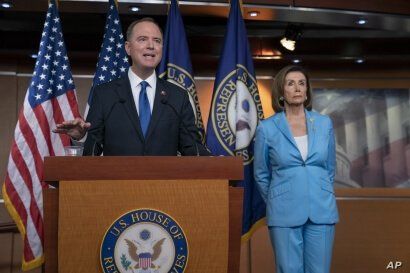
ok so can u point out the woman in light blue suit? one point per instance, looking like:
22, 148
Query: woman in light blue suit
294, 169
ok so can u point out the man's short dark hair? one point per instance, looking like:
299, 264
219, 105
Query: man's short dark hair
145, 19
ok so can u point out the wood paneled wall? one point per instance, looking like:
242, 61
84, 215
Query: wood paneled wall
8, 114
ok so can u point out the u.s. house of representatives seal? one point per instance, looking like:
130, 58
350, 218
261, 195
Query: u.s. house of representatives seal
235, 112
182, 78
144, 241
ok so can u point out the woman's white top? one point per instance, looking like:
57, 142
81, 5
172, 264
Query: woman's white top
302, 143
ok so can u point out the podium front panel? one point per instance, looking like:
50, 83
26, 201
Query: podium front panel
87, 209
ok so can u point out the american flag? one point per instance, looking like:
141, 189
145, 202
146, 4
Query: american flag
112, 60
50, 99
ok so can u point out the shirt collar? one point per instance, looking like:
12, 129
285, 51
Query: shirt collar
135, 80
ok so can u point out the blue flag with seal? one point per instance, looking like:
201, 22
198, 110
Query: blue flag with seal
175, 65
112, 60
235, 111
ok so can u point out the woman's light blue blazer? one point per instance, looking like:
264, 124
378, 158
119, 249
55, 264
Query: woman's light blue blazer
295, 190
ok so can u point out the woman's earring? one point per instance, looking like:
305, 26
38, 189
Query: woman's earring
281, 98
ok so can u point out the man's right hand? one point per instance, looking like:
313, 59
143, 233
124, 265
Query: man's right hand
76, 128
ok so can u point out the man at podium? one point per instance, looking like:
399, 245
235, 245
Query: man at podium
139, 114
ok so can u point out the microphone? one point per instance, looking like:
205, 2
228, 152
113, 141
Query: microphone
165, 102
94, 131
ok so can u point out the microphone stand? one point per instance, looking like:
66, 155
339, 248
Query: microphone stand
165, 102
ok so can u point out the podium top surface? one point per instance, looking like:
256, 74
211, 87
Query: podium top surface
142, 167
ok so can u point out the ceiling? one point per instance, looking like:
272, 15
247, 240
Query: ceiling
330, 37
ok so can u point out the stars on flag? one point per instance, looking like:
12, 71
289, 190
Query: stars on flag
51, 76
113, 61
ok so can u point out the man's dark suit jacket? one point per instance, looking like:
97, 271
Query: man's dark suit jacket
115, 126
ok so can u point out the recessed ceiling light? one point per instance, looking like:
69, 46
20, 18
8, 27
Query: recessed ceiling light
34, 56
253, 13
135, 8
296, 61
6, 5
361, 21
359, 61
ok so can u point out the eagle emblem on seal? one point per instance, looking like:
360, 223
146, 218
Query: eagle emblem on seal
144, 255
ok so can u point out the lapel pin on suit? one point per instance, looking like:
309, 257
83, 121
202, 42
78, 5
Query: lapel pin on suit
163, 97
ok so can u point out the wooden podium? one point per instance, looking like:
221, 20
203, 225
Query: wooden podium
93, 192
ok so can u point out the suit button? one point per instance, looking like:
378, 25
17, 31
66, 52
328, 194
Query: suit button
303, 165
